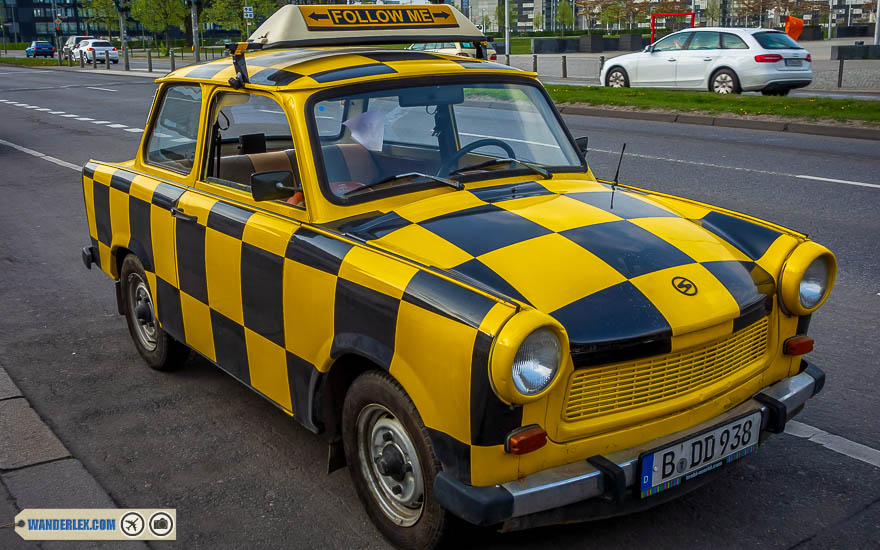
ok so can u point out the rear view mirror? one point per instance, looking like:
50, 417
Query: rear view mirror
274, 185
581, 143
435, 95
649, 48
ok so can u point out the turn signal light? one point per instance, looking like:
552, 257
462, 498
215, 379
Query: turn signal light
525, 440
809, 58
768, 58
114, 49
797, 345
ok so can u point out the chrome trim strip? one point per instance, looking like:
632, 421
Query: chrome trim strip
579, 481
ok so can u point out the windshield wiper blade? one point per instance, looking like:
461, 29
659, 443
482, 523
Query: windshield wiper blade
490, 162
451, 183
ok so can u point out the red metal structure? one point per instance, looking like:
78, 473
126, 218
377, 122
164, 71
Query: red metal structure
653, 15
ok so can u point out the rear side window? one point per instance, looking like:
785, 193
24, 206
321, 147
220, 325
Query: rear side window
101, 44
733, 42
707, 40
172, 141
776, 41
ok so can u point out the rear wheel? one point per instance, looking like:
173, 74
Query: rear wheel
724, 81
617, 78
392, 461
158, 348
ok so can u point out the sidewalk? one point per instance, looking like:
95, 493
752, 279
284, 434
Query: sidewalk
37, 471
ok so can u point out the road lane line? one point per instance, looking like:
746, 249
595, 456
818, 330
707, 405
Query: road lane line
134, 129
40, 155
56, 112
834, 442
43, 109
85, 118
817, 178
68, 116
100, 122
738, 168
116, 126
102, 89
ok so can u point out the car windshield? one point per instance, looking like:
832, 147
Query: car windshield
776, 41
400, 140
42, 44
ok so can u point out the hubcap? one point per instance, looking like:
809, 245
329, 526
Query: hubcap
141, 304
616, 80
723, 84
390, 465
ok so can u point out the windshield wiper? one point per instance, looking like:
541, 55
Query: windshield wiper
490, 162
454, 184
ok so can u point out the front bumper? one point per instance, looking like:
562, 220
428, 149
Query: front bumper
610, 480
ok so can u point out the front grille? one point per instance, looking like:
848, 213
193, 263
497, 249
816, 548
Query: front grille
601, 390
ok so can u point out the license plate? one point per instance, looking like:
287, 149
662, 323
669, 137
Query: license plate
793, 62
668, 467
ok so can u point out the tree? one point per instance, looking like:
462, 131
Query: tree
102, 14
159, 16
610, 14
486, 21
564, 16
537, 21
513, 15
633, 9
229, 14
590, 9
713, 12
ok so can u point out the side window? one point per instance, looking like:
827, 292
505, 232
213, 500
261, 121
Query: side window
705, 41
329, 116
173, 136
733, 42
249, 133
672, 42
417, 47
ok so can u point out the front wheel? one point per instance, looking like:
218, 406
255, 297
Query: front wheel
392, 462
617, 78
725, 81
157, 347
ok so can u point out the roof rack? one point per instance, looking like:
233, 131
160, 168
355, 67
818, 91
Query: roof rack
294, 26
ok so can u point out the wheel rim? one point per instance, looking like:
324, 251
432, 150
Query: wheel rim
616, 80
390, 465
143, 313
723, 84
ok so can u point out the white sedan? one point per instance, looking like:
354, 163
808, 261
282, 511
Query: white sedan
722, 60
92, 50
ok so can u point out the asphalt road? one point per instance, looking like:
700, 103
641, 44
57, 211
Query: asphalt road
241, 474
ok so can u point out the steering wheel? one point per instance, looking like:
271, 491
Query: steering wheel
451, 161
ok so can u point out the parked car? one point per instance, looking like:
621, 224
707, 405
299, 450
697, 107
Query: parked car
464, 49
71, 43
409, 254
40, 48
722, 60
92, 50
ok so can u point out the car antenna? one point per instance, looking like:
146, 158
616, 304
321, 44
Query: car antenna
617, 173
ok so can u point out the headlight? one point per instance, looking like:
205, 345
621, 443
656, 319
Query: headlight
527, 357
815, 283
536, 362
807, 278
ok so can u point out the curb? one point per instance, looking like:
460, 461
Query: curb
38, 471
726, 122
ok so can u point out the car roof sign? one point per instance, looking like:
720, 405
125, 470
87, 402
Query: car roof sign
338, 25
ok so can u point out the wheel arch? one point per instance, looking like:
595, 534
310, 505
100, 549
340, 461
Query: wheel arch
721, 68
622, 68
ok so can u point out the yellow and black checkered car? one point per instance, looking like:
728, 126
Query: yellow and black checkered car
521, 345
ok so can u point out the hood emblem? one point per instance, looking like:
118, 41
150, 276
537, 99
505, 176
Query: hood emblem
685, 286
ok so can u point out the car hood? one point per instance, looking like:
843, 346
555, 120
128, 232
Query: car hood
612, 266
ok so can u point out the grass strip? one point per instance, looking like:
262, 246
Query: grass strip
812, 108
29, 61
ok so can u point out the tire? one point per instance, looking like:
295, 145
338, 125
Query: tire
116, 62
724, 81
158, 348
400, 501
617, 78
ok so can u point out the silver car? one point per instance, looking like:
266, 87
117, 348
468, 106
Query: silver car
92, 51
720, 59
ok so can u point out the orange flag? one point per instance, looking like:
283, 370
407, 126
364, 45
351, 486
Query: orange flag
794, 27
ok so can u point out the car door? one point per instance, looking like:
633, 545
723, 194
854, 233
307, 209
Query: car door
231, 250
696, 62
657, 68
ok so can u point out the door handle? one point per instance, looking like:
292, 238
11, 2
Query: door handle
182, 216
671, 59
707, 59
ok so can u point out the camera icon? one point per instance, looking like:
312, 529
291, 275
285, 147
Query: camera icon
161, 524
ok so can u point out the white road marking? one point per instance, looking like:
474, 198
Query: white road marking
512, 139
43, 109
739, 168
43, 156
56, 112
134, 129
102, 89
100, 122
116, 126
834, 442
85, 118
68, 116
181, 140
832, 180
32, 107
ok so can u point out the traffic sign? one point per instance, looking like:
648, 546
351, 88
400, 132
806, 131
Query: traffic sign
248, 15
248, 9
57, 20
